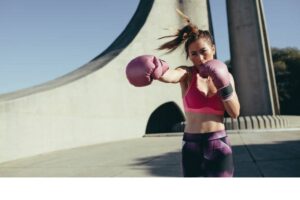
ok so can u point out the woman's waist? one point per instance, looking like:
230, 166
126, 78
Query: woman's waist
199, 118
203, 124
193, 137
203, 129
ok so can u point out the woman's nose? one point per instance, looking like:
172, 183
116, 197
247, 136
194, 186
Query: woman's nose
201, 58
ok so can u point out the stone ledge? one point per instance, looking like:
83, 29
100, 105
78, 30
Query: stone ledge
246, 123
262, 122
244, 131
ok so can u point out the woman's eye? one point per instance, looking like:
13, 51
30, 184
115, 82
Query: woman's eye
203, 51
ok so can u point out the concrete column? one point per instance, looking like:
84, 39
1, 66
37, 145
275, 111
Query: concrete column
251, 58
198, 11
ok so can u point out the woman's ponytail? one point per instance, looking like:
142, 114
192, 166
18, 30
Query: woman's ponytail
187, 35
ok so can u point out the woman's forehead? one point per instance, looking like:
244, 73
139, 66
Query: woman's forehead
199, 44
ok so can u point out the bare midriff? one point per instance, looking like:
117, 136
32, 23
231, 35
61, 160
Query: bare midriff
203, 123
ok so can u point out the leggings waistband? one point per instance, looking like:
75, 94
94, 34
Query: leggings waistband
197, 137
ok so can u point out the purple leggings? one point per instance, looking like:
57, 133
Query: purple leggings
207, 155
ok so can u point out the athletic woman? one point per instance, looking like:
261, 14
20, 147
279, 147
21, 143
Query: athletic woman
208, 91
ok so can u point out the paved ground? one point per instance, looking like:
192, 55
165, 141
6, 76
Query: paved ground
268, 154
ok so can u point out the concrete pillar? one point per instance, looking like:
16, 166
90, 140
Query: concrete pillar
198, 11
251, 58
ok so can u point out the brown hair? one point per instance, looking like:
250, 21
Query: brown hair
187, 35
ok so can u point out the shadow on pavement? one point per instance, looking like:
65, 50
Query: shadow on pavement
280, 159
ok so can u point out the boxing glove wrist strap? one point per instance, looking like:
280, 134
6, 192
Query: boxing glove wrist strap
226, 92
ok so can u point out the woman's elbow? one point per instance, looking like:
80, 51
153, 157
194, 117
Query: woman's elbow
234, 114
233, 108
233, 111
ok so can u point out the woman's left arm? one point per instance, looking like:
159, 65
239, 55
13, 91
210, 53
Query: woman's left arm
232, 106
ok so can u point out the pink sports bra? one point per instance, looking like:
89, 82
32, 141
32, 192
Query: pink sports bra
195, 101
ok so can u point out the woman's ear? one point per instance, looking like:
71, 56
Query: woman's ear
213, 48
188, 56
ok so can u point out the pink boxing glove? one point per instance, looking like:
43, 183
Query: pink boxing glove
218, 71
143, 69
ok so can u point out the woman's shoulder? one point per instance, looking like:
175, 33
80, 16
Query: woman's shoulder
188, 69
181, 67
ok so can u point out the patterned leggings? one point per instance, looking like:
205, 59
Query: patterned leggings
207, 155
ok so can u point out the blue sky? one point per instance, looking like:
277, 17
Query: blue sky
41, 40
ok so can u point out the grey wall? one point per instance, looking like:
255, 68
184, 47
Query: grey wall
95, 103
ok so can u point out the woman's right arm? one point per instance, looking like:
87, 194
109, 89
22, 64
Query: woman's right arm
176, 75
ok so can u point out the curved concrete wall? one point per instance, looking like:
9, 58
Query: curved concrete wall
95, 103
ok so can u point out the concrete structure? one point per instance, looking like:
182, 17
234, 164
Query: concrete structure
95, 103
262, 122
251, 58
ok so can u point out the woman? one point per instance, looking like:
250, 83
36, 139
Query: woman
207, 91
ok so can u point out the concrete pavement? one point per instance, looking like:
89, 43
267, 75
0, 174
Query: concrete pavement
256, 154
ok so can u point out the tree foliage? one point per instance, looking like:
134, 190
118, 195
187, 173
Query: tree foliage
287, 71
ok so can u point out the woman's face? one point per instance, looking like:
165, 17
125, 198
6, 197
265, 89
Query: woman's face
201, 51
